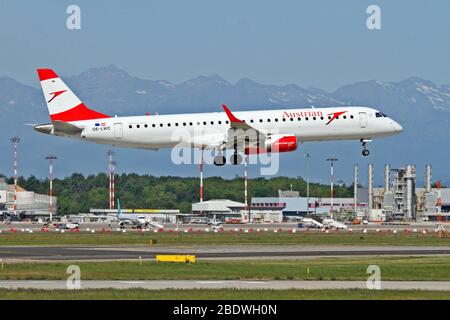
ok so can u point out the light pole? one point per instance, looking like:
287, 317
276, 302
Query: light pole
331, 160
110, 154
307, 183
201, 175
340, 183
50, 159
246, 188
113, 184
15, 141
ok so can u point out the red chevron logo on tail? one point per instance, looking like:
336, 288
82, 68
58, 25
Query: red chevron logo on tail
55, 94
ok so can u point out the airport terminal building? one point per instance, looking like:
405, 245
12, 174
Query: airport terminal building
235, 212
30, 205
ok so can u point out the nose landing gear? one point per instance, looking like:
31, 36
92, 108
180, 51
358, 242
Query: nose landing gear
364, 142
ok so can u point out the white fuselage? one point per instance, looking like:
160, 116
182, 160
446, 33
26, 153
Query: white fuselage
249, 131
208, 129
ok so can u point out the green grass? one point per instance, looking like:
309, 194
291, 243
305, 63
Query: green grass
166, 238
226, 294
392, 268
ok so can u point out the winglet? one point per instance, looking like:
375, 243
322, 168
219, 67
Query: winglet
230, 114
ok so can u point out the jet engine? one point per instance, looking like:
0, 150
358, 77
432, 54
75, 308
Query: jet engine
275, 143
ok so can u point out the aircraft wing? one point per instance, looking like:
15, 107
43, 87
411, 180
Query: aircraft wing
241, 132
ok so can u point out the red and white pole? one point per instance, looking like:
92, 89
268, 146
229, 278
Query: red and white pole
201, 176
245, 187
50, 159
113, 184
111, 178
51, 190
15, 141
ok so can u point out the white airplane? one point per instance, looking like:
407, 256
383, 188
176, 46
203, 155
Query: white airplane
138, 220
249, 132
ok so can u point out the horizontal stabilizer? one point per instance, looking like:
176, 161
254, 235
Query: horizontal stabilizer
61, 126
58, 128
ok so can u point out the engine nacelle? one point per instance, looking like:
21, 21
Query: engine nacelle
275, 143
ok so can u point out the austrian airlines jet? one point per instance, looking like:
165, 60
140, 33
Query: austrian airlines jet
248, 132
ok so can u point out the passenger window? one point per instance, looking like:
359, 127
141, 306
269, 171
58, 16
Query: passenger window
284, 119
212, 122
276, 119
176, 124
268, 120
145, 125
160, 124
220, 122
306, 118
130, 126
190, 123
260, 120
184, 124
321, 118
137, 126
351, 117
204, 123
292, 119
227, 122
153, 125
168, 124
299, 119
314, 118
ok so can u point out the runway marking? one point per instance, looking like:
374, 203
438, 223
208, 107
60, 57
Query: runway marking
210, 282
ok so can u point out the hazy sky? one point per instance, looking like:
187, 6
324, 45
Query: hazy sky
318, 43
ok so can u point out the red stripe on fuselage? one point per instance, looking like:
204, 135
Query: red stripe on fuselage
80, 112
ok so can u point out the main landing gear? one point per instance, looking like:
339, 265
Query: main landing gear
235, 159
364, 142
219, 160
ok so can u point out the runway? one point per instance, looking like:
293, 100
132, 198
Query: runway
253, 285
80, 253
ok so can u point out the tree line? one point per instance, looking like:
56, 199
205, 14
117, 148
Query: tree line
78, 193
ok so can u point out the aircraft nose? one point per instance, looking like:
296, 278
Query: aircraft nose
397, 127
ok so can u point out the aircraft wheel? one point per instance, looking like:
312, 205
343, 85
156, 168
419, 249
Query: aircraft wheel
219, 160
365, 153
236, 159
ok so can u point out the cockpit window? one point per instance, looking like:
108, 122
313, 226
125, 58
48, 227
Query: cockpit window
380, 115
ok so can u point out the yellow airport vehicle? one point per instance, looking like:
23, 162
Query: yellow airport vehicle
175, 258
